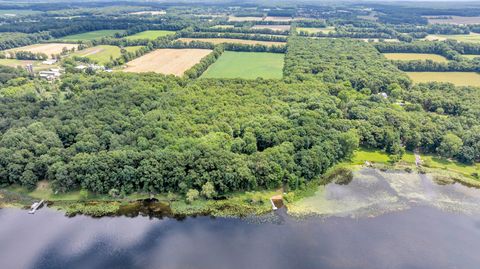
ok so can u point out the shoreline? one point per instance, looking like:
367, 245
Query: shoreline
241, 204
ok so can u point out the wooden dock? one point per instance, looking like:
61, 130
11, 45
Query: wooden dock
35, 207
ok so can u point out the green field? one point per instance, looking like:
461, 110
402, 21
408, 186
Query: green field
150, 34
18, 12
104, 53
324, 30
246, 65
457, 78
90, 35
471, 56
472, 37
415, 56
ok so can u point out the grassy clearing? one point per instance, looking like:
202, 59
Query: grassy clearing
360, 156
457, 78
90, 35
432, 161
246, 65
151, 35
470, 56
37, 65
415, 56
18, 12
324, 30
104, 53
471, 38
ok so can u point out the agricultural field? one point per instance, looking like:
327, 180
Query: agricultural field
104, 53
272, 18
153, 13
47, 48
167, 61
273, 27
471, 56
223, 26
37, 65
457, 78
324, 30
246, 65
18, 12
90, 35
472, 38
233, 40
152, 35
454, 20
233, 18
415, 56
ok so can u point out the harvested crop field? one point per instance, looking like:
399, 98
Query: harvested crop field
273, 27
167, 61
415, 56
457, 78
233, 40
246, 65
272, 18
454, 20
47, 48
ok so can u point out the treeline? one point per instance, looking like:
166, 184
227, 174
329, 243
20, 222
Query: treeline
234, 36
14, 40
333, 60
24, 55
197, 70
243, 30
432, 66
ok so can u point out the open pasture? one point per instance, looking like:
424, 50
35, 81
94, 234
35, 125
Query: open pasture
234, 18
415, 56
167, 61
274, 18
273, 27
103, 53
47, 48
457, 78
309, 30
233, 40
37, 65
152, 35
246, 65
90, 35
472, 38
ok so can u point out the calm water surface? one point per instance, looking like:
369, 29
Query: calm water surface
420, 237
434, 227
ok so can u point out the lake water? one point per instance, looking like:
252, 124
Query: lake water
418, 236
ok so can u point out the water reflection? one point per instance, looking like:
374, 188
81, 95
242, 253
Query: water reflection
421, 237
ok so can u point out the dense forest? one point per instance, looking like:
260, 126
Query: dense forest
156, 133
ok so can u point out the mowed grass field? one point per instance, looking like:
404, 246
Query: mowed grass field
37, 65
415, 56
154, 34
471, 56
457, 78
90, 35
167, 61
232, 40
47, 48
246, 65
103, 53
471, 38
324, 30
